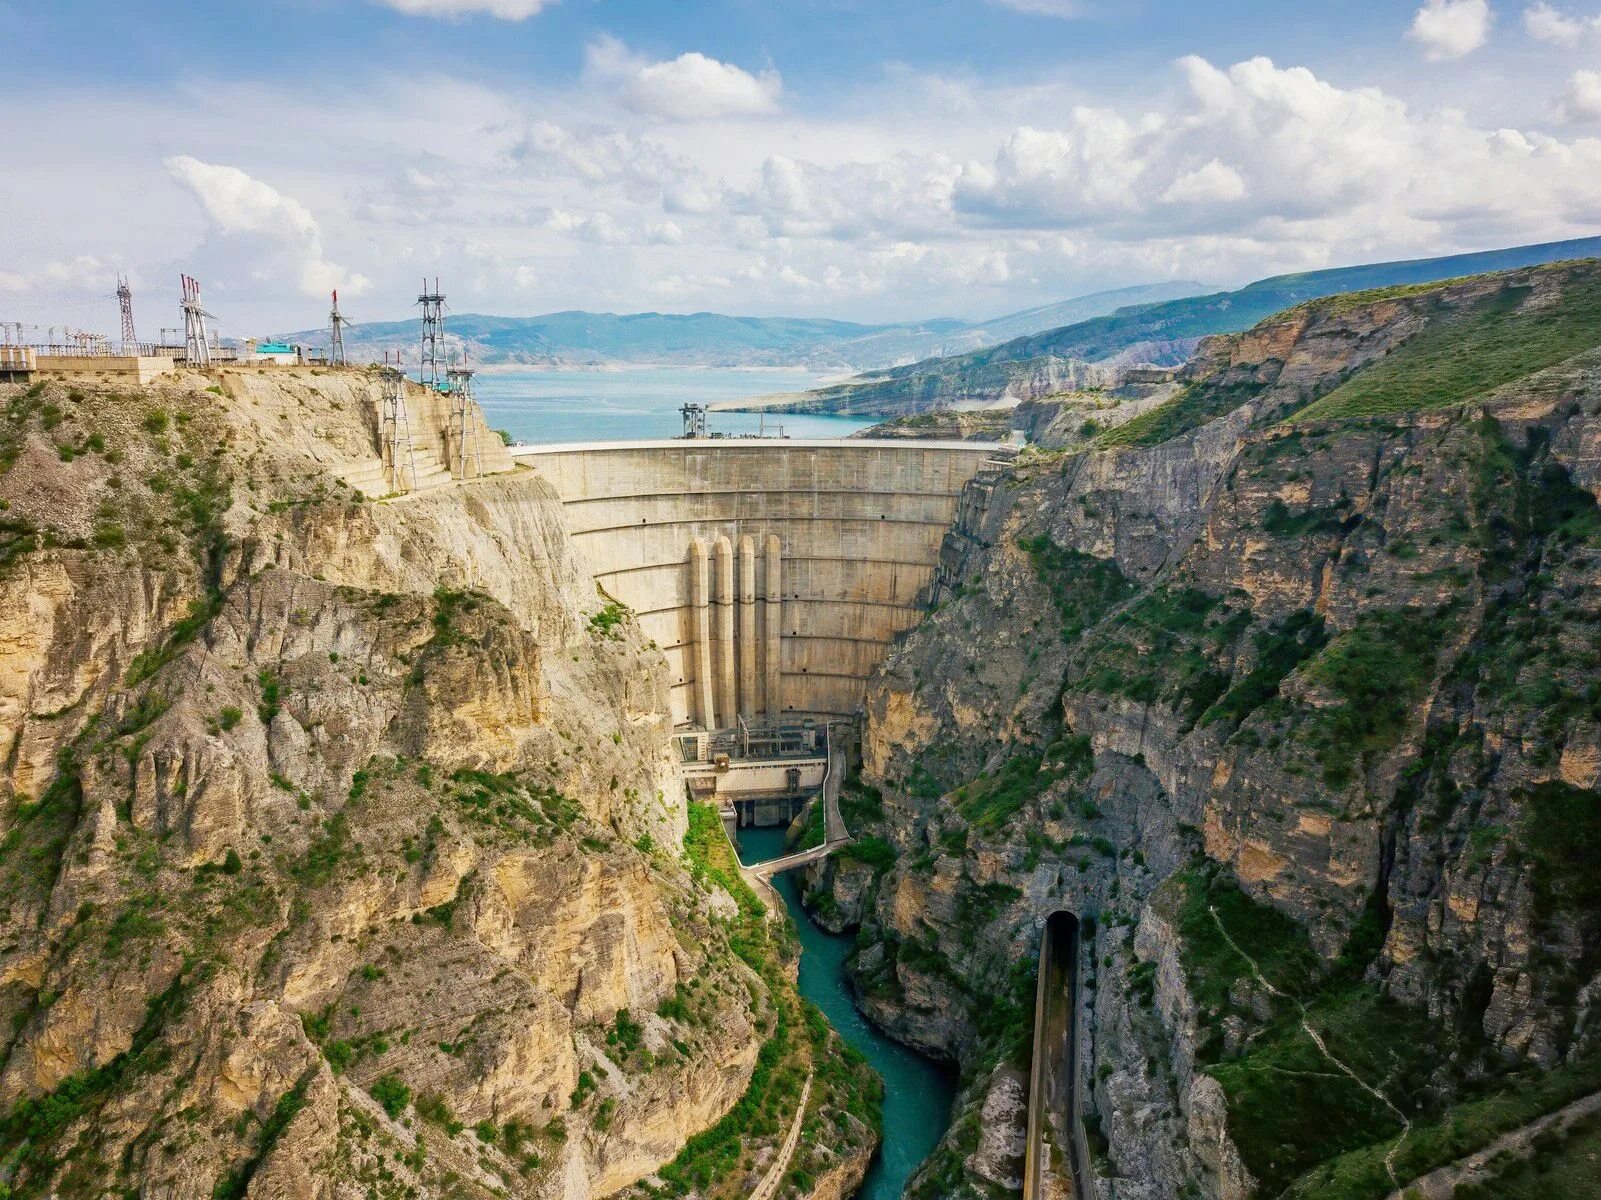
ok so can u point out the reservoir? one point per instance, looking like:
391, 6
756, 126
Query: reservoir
917, 1091
579, 405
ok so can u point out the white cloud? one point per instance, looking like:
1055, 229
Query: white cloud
1064, 9
506, 10
1215, 183
238, 204
1278, 158
1547, 24
691, 87
600, 156
1580, 101
85, 274
1449, 29
877, 203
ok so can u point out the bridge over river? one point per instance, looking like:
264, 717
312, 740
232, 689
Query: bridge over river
773, 573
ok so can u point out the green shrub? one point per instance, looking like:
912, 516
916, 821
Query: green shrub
390, 1092
1375, 672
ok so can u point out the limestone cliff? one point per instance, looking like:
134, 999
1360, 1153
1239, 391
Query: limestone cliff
340, 839
1287, 683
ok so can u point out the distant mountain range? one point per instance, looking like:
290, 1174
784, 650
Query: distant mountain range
578, 338
1088, 351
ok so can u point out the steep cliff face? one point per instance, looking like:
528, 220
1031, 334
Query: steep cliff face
1289, 684
340, 838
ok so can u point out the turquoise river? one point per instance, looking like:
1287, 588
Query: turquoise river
917, 1091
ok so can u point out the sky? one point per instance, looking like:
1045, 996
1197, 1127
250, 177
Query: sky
867, 160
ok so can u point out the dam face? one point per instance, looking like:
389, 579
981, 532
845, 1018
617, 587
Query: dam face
773, 574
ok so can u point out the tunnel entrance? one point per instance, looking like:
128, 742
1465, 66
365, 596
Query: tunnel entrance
1055, 1148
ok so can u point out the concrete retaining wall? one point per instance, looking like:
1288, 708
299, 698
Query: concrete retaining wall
859, 525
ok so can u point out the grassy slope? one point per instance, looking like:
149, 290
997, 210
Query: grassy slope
1230, 312
1470, 354
1459, 356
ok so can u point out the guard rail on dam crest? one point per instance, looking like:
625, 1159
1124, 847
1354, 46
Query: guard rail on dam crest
774, 574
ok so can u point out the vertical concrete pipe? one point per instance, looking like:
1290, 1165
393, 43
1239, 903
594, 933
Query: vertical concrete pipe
749, 683
700, 607
773, 628
724, 600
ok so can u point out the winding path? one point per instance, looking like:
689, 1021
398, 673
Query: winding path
1317, 1040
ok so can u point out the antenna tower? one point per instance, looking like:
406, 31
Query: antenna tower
196, 346
336, 334
130, 341
396, 430
433, 332
463, 421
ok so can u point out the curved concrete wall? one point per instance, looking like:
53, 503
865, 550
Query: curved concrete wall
858, 525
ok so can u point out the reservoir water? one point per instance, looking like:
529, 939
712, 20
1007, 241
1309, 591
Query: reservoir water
917, 1091
578, 405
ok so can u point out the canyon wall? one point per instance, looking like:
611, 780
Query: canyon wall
1287, 685
341, 839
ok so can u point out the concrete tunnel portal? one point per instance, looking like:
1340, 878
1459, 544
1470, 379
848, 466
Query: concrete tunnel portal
1056, 1157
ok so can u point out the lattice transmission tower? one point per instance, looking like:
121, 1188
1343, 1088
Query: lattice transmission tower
395, 430
464, 423
336, 334
130, 340
433, 333
196, 347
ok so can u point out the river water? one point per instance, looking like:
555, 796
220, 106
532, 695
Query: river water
579, 405
917, 1091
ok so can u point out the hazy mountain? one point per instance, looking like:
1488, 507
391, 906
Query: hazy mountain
1035, 364
714, 339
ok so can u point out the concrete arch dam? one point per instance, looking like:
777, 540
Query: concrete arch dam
774, 574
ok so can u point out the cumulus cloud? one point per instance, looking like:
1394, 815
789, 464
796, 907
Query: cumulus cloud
1449, 29
602, 156
1580, 101
903, 196
1547, 24
691, 87
240, 205
1277, 156
77, 276
1215, 183
506, 10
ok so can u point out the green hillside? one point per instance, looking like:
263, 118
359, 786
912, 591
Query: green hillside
937, 383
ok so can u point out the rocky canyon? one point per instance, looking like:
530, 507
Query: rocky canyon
345, 851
